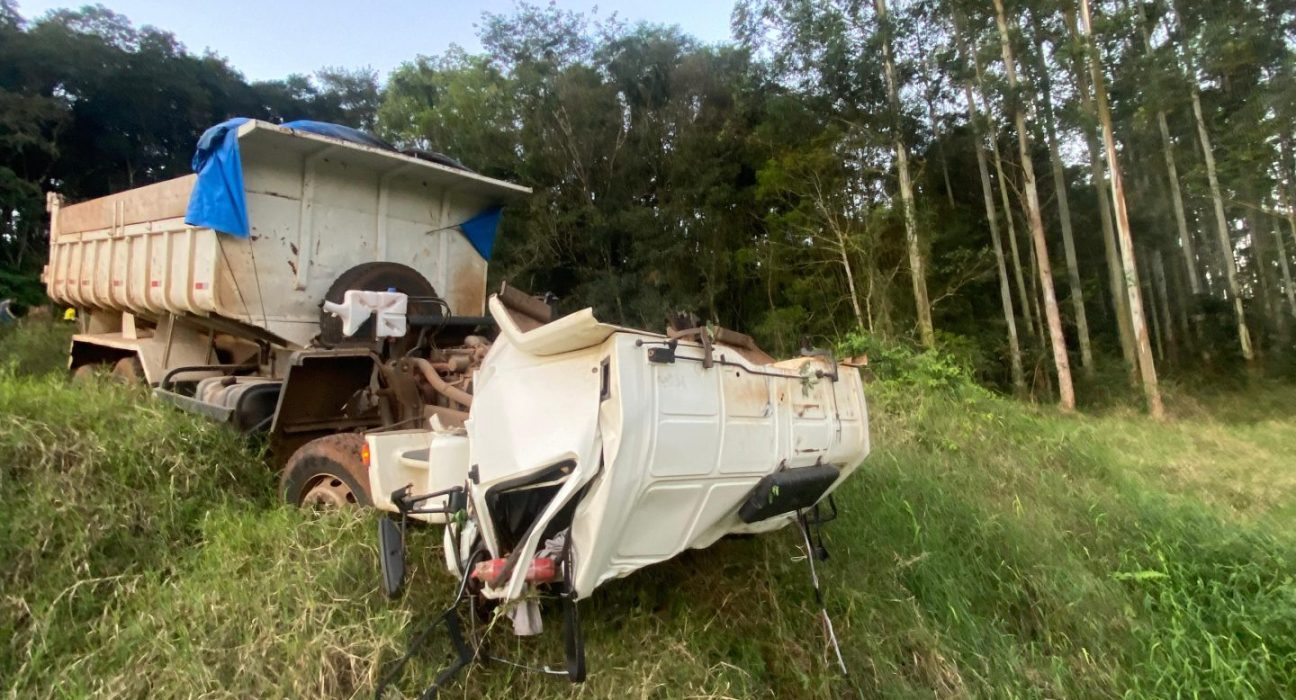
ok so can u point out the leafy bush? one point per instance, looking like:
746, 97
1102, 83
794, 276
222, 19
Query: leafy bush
24, 288
901, 365
35, 346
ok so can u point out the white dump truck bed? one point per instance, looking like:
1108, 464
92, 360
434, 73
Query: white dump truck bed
317, 206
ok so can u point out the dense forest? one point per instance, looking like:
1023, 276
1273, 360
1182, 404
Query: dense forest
1058, 194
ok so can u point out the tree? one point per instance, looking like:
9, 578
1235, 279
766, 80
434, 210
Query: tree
1049, 118
1217, 200
992, 217
1098, 171
917, 267
1172, 173
1147, 369
1062, 363
829, 52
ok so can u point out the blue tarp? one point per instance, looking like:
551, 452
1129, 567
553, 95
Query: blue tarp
480, 231
338, 131
218, 201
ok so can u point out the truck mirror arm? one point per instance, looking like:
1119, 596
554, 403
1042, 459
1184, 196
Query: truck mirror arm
406, 503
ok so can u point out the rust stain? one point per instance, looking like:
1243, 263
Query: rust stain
745, 396
293, 248
467, 289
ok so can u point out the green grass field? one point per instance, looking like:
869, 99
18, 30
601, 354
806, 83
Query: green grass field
986, 548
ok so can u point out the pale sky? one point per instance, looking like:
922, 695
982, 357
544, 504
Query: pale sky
272, 38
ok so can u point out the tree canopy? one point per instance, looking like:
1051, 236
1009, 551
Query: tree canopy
799, 180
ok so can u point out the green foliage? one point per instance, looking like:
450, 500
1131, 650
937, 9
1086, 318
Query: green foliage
986, 548
35, 346
902, 368
90, 104
25, 289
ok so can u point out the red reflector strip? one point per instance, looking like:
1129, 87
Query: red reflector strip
116, 283
200, 285
155, 284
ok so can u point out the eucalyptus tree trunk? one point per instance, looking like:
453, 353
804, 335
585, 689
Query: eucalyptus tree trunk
850, 282
1267, 275
1023, 299
1023, 296
1063, 203
1115, 278
987, 193
1217, 199
1162, 290
1178, 292
1284, 191
1172, 170
1154, 321
1027, 298
1033, 283
1283, 264
1147, 369
917, 267
1062, 363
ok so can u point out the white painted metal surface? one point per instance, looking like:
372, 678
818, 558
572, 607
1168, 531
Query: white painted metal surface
317, 207
663, 454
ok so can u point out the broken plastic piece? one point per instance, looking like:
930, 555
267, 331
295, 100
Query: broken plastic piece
526, 618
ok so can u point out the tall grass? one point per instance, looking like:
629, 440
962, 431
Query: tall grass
987, 548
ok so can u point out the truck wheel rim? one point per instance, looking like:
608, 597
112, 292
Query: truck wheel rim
328, 492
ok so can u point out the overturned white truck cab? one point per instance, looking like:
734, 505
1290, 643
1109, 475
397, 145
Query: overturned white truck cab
591, 450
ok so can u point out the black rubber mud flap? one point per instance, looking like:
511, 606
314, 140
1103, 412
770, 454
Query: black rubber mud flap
787, 491
391, 555
573, 639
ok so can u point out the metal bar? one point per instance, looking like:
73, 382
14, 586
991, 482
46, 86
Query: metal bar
450, 321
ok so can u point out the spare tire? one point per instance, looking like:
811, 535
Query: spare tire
369, 277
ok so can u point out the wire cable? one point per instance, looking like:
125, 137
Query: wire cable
819, 598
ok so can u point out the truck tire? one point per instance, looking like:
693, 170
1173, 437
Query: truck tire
327, 472
87, 373
369, 277
129, 370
